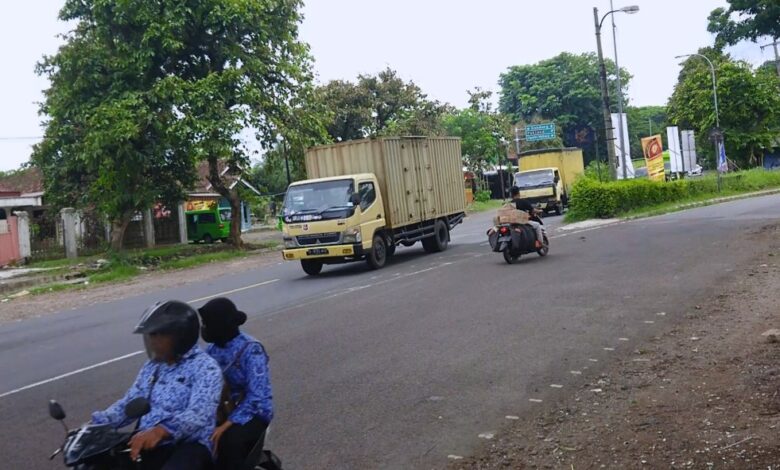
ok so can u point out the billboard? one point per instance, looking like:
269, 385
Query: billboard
653, 149
622, 162
689, 150
676, 160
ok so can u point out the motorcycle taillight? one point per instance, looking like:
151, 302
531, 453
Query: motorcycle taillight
503, 230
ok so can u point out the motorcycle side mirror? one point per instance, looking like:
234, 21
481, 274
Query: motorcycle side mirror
137, 407
56, 411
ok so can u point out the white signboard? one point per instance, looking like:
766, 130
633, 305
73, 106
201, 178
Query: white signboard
689, 150
621, 162
675, 150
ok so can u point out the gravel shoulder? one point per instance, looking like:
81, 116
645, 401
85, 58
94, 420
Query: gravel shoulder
702, 395
44, 304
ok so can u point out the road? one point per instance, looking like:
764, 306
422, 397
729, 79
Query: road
402, 367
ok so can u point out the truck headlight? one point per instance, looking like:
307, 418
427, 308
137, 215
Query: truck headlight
352, 235
289, 242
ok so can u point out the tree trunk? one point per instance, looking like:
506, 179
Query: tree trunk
235, 220
118, 229
232, 196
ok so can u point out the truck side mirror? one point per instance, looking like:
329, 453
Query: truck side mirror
355, 200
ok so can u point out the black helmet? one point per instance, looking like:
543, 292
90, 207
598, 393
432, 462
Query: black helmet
174, 318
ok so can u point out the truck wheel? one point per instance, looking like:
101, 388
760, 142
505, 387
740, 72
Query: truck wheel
390, 250
440, 239
559, 208
378, 256
207, 239
311, 267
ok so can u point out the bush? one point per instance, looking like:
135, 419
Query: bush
593, 199
482, 196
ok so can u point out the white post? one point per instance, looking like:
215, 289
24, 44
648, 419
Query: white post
69, 232
183, 225
23, 227
148, 224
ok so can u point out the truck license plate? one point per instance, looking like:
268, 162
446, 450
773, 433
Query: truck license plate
317, 251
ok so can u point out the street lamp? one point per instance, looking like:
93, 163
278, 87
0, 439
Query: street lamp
280, 139
715, 102
610, 136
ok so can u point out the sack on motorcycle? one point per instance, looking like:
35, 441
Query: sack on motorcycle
493, 239
523, 238
508, 214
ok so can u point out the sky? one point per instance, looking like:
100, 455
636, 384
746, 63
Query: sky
445, 47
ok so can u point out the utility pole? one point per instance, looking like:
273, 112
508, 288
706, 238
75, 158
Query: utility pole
777, 54
608, 131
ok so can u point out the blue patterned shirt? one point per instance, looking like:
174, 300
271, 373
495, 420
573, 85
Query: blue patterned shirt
183, 399
247, 375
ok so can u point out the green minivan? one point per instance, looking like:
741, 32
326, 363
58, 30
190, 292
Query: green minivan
208, 225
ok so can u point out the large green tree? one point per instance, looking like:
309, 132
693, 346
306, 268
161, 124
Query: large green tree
745, 19
749, 105
564, 89
111, 134
199, 73
381, 104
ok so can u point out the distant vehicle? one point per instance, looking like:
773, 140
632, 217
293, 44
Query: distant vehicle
546, 177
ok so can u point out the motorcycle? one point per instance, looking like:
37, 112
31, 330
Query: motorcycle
102, 447
516, 240
98, 446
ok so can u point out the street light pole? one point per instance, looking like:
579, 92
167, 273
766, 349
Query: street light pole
718, 143
608, 129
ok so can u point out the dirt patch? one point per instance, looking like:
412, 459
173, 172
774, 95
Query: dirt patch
31, 306
702, 395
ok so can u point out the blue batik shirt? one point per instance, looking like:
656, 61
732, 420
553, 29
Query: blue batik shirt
183, 398
246, 375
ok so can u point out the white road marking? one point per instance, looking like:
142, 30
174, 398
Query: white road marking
233, 291
622, 339
649, 322
609, 349
593, 360
70, 374
126, 356
513, 418
534, 400
487, 435
556, 386
454, 457
576, 372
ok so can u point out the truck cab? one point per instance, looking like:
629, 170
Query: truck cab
335, 220
543, 187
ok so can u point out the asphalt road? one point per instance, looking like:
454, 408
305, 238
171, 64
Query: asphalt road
405, 366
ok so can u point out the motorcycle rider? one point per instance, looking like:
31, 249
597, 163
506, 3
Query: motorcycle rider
525, 206
244, 363
181, 383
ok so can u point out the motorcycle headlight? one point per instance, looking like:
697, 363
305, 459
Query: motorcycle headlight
352, 235
289, 242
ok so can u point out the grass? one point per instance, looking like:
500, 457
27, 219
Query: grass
131, 263
697, 201
492, 204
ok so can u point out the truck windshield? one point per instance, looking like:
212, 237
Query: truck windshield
317, 201
531, 179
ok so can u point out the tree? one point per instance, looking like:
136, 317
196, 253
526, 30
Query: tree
198, 73
381, 104
564, 89
749, 106
111, 130
640, 120
745, 19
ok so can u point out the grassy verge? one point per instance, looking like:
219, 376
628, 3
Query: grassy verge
126, 265
701, 201
492, 204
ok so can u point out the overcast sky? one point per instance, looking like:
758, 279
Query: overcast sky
445, 47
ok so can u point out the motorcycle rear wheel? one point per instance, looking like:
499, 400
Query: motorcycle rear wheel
510, 258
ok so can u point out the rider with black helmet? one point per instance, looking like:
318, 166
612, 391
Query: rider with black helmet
182, 384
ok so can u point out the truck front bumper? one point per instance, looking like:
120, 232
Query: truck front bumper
324, 252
